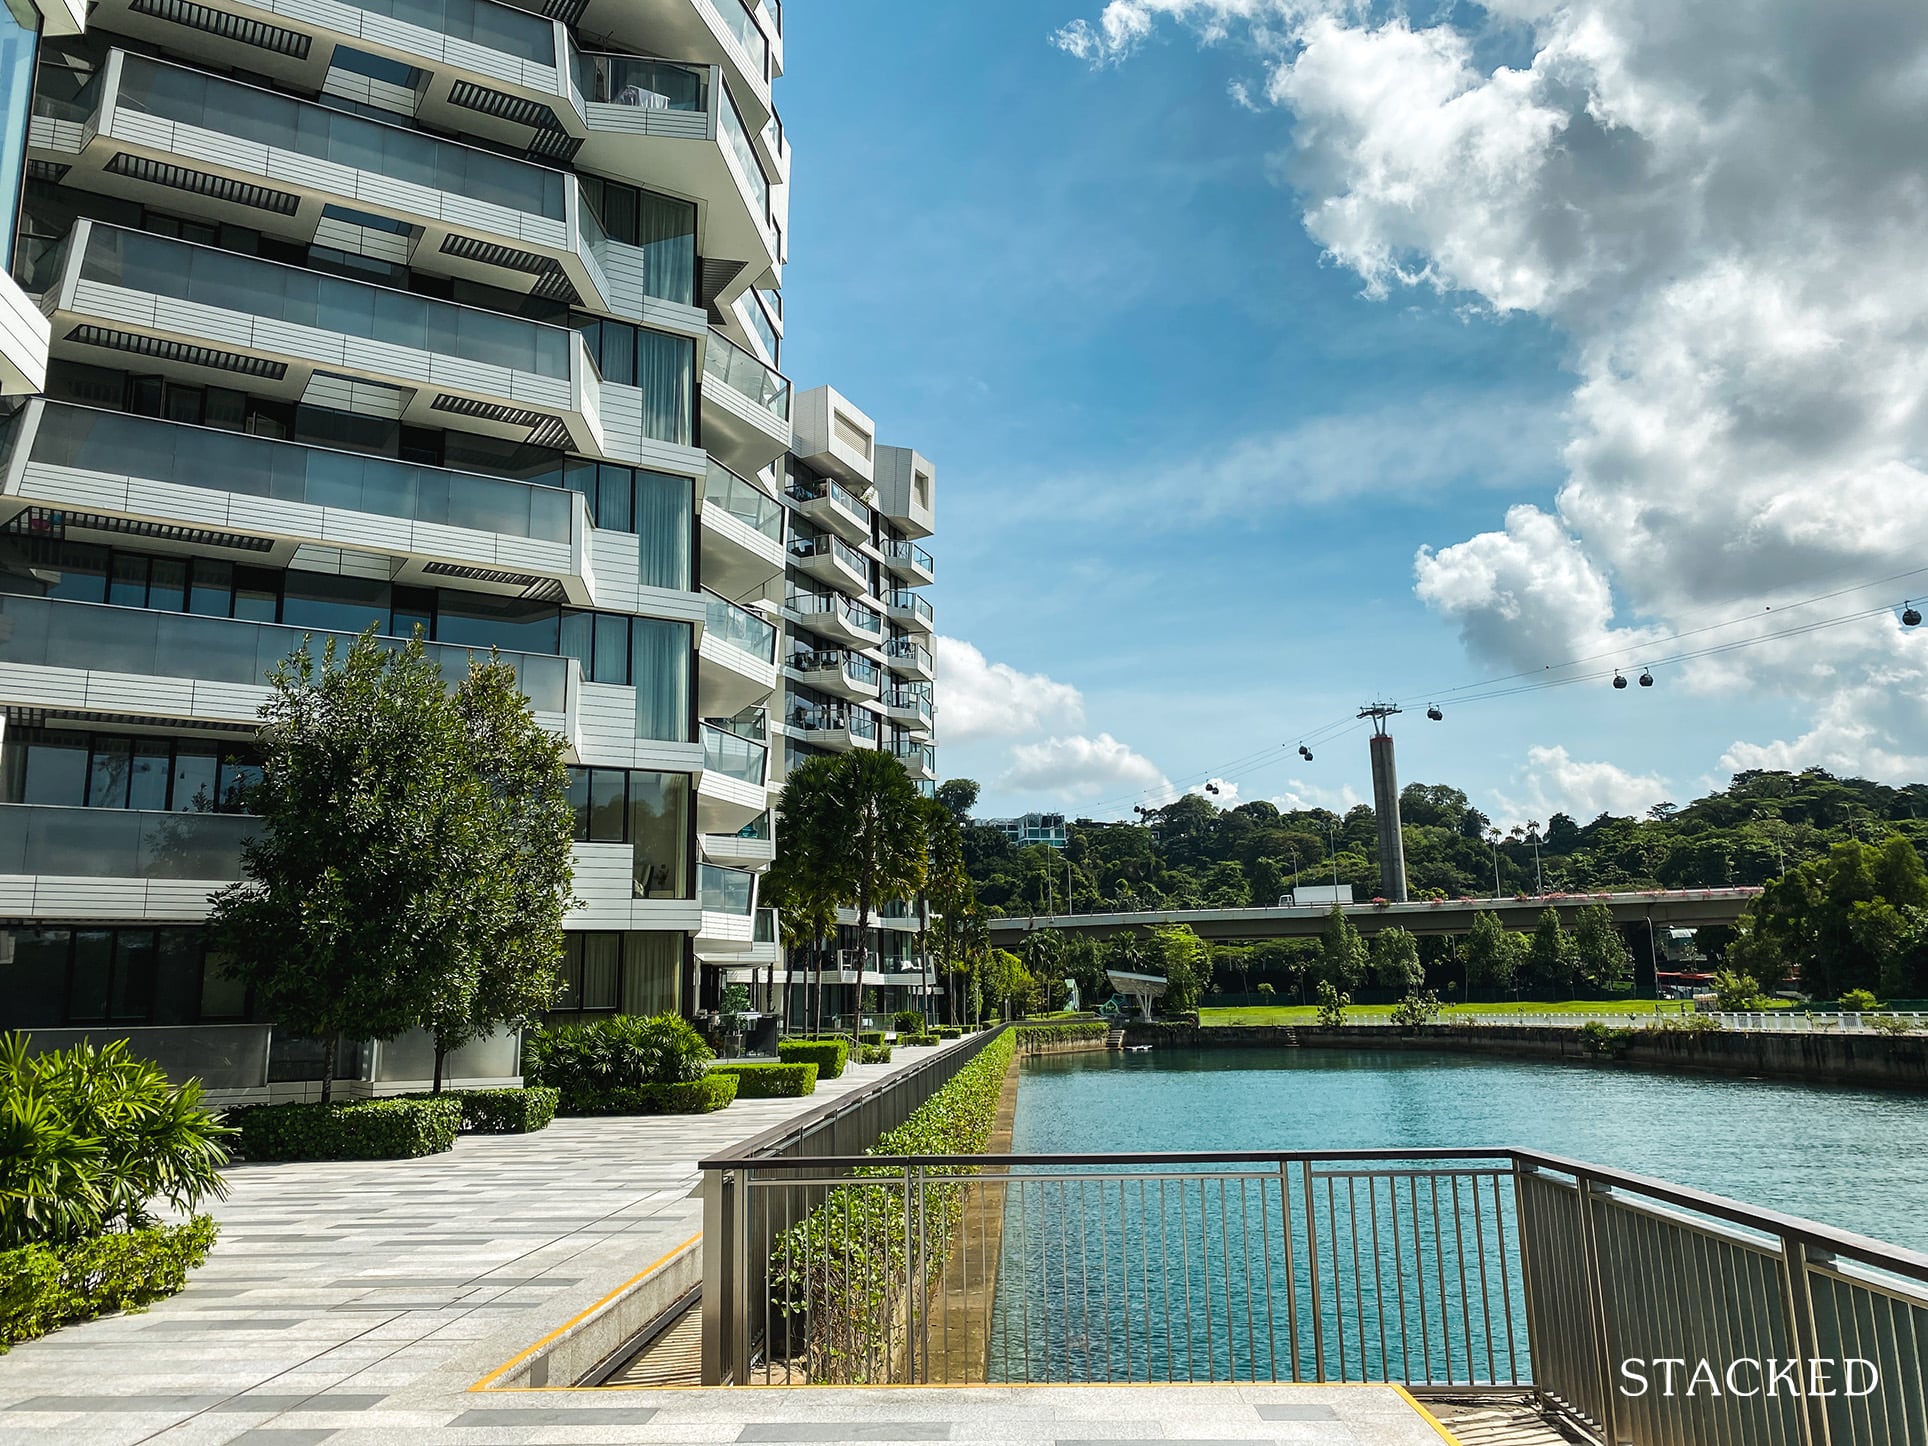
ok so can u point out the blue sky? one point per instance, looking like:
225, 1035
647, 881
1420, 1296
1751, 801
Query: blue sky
1185, 461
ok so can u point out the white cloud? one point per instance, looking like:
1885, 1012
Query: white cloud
1554, 782
981, 699
1222, 793
1722, 207
1300, 795
1078, 769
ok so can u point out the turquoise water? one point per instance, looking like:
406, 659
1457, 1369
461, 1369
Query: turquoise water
1852, 1159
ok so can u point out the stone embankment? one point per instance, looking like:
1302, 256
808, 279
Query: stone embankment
1884, 1061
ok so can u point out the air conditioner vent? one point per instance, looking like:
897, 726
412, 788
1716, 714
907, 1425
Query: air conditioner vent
212, 358
200, 183
228, 27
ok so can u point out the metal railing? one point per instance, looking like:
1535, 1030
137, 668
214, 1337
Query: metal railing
1771, 1021
1436, 1268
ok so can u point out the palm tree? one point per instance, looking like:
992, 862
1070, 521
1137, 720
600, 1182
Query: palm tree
804, 881
947, 885
877, 850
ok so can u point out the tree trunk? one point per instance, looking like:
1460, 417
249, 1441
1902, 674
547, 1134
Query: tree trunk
816, 994
863, 957
441, 1055
328, 1066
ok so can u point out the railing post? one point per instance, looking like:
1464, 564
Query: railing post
1312, 1271
719, 1283
1803, 1337
1535, 1336
1589, 1193
740, 1276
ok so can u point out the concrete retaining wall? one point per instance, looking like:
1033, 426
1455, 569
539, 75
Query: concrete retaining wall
1890, 1062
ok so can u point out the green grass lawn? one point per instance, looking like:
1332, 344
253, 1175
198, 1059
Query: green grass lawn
1307, 1013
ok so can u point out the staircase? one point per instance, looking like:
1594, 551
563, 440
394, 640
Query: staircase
1291, 1039
1115, 1039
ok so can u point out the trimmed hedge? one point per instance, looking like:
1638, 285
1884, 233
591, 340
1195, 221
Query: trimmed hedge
918, 1039
771, 1081
690, 1097
509, 1112
871, 1036
874, 1054
948, 1031
44, 1287
908, 1021
828, 1055
1036, 1034
835, 1269
392, 1129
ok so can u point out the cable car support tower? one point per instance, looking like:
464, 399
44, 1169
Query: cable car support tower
1385, 804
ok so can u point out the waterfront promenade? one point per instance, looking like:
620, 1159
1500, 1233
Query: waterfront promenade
358, 1303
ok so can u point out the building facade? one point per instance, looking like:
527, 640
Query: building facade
1031, 828
857, 669
420, 314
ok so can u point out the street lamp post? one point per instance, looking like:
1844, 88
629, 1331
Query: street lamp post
1493, 837
1332, 842
1533, 837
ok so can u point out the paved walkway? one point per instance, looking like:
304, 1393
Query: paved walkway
357, 1303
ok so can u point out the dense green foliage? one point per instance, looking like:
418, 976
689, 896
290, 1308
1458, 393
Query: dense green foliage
92, 1137
871, 1036
1333, 1003
43, 1287
390, 1129
828, 1055
699, 1096
1034, 1036
1854, 919
873, 1054
846, 1262
503, 1111
414, 857
907, 1021
771, 1081
615, 1053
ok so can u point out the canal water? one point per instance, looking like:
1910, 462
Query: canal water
1137, 1278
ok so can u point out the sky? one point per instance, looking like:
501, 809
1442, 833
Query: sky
1279, 356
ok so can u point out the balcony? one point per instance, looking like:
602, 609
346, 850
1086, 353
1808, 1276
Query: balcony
919, 759
909, 562
832, 507
276, 164
909, 659
837, 671
747, 40
23, 342
98, 658
742, 533
737, 658
901, 705
111, 863
728, 901
731, 790
746, 406
190, 311
837, 617
170, 474
911, 610
752, 846
833, 726
835, 438
829, 559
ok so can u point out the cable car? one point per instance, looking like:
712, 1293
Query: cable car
1618, 681
1646, 678
1433, 713
1305, 753
1911, 617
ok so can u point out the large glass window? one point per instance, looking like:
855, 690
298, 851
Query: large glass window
649, 811
663, 227
660, 672
634, 973
662, 366
65, 769
55, 977
658, 507
19, 39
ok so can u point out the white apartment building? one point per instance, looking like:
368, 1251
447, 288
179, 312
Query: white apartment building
444, 314
857, 669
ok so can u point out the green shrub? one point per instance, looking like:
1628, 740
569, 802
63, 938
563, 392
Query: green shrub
1604, 1040
908, 1021
509, 1112
770, 1081
91, 1138
1858, 1001
873, 1054
623, 1052
1687, 1024
947, 1031
828, 1055
1416, 1009
871, 1036
1891, 1024
687, 1097
44, 1287
835, 1267
1332, 1004
1032, 1036
392, 1129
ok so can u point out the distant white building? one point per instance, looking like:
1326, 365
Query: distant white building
1032, 828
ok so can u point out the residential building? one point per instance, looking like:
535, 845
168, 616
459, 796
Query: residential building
426, 314
1031, 828
857, 669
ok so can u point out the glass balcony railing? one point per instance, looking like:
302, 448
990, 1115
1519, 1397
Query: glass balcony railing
736, 136
827, 545
747, 504
766, 926
854, 666
740, 628
898, 550
759, 828
918, 703
920, 754
836, 492
501, 28
725, 891
834, 718
48, 632
645, 84
122, 445
114, 843
205, 275
912, 603
189, 97
904, 650
734, 757
740, 22
752, 723
809, 606
743, 373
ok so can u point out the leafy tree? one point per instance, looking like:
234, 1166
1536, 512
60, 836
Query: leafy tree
1600, 953
1177, 953
1853, 919
803, 881
1550, 959
877, 851
947, 883
1492, 955
1416, 1009
1342, 953
522, 869
352, 916
1395, 961
957, 797
1266, 993
1333, 1003
1736, 993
